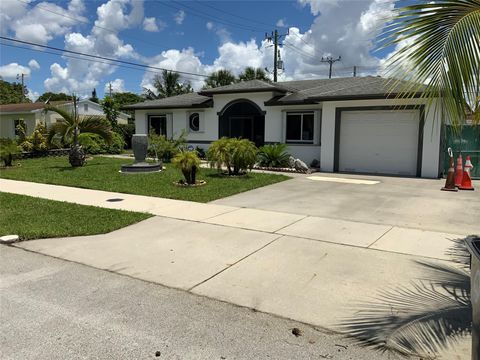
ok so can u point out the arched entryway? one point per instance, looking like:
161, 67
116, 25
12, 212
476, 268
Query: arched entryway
242, 118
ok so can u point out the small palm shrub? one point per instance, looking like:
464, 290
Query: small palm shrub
163, 148
8, 149
237, 155
273, 156
188, 163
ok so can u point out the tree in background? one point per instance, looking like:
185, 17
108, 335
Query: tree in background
54, 97
168, 84
442, 51
94, 97
12, 93
111, 110
219, 78
251, 73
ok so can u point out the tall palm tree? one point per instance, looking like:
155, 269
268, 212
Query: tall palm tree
168, 84
251, 73
219, 78
70, 127
444, 53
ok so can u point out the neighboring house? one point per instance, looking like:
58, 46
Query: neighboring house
350, 124
30, 114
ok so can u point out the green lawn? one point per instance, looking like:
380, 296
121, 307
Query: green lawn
101, 173
35, 218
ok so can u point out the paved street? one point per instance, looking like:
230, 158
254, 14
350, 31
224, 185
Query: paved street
54, 309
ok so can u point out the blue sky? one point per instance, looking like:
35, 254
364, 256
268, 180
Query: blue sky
192, 36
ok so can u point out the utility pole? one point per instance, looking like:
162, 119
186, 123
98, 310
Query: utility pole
355, 71
275, 37
23, 86
330, 60
110, 88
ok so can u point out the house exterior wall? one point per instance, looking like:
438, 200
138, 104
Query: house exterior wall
431, 138
323, 147
7, 127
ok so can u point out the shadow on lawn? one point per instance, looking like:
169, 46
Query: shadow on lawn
421, 319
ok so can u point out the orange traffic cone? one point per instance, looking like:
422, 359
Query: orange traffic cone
450, 182
459, 171
467, 179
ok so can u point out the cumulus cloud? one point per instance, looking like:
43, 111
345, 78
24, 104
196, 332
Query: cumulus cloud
118, 85
82, 76
152, 25
179, 17
33, 64
40, 23
209, 25
10, 71
281, 22
33, 95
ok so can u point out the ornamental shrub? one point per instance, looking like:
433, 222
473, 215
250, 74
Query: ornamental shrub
273, 156
188, 163
237, 155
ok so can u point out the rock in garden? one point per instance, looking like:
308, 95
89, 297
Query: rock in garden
300, 165
291, 162
297, 332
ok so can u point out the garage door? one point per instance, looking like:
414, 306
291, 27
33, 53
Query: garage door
382, 142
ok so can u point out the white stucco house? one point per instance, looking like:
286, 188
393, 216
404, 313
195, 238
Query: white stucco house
354, 125
30, 114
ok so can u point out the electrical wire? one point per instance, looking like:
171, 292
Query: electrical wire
100, 57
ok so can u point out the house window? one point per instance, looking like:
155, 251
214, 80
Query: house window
300, 127
158, 124
17, 124
85, 107
194, 121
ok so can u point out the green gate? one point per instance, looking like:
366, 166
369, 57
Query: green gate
467, 142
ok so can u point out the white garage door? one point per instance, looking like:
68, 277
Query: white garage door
382, 142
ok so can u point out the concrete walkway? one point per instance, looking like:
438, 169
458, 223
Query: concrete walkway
307, 268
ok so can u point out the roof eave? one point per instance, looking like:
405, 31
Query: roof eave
146, 107
208, 93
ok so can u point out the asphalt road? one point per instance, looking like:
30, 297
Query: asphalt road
54, 309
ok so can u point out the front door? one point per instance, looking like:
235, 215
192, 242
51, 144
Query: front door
241, 127
157, 123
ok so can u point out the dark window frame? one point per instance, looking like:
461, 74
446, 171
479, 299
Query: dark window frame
300, 140
159, 116
190, 119
17, 122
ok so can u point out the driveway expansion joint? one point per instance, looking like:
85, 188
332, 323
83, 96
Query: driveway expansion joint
381, 236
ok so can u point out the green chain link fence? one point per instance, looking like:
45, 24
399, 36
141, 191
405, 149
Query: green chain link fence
466, 142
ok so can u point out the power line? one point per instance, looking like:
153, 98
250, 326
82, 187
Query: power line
100, 57
198, 13
330, 61
204, 3
90, 60
88, 23
298, 50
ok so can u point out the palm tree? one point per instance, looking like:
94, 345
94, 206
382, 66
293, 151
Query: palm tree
70, 127
219, 78
444, 53
168, 84
251, 73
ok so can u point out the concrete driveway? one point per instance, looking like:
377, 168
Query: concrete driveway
406, 202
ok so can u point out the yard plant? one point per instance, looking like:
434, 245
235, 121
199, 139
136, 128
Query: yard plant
237, 155
72, 125
8, 149
188, 163
274, 155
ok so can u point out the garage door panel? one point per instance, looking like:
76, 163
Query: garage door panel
384, 142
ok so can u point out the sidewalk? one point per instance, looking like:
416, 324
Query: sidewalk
306, 268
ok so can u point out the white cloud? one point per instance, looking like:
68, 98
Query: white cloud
40, 23
223, 34
152, 25
33, 95
209, 25
33, 64
10, 71
82, 76
179, 17
281, 22
118, 85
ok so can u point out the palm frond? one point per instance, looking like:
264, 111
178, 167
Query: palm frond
443, 54
95, 124
66, 115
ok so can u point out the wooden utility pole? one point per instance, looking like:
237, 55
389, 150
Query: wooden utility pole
275, 37
355, 71
330, 61
110, 88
